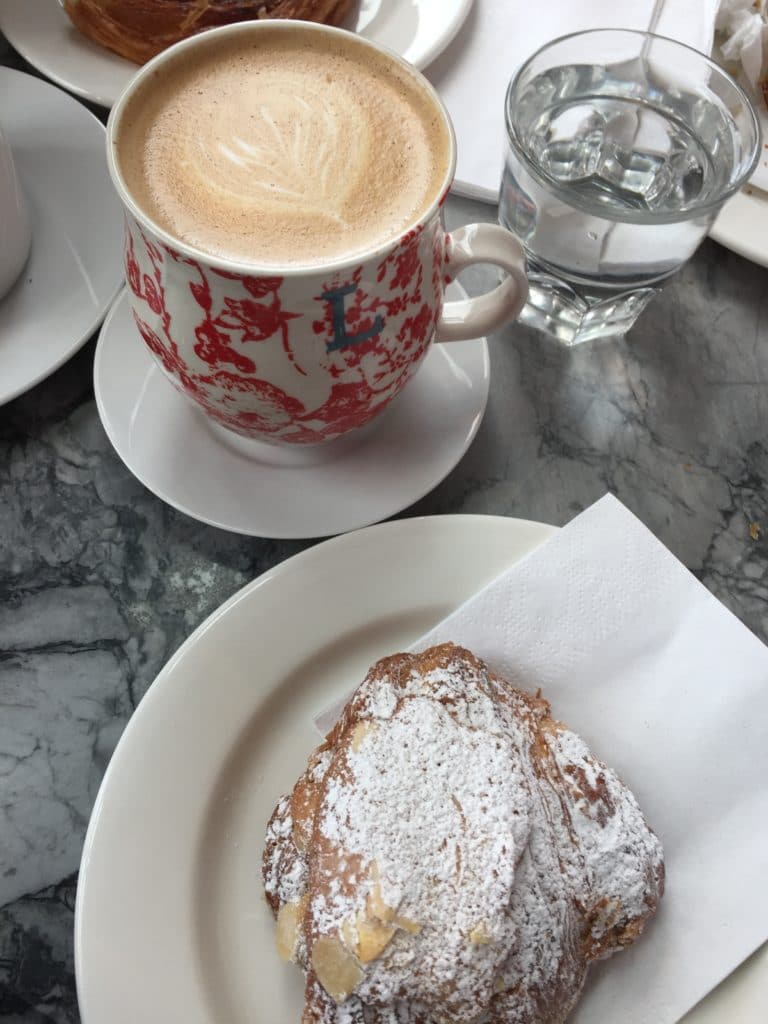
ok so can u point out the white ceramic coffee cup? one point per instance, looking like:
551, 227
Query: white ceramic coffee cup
353, 330
15, 229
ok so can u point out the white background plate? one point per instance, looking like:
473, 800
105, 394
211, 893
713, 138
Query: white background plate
742, 225
42, 33
219, 478
170, 922
75, 265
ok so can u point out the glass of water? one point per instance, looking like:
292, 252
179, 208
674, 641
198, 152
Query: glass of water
622, 147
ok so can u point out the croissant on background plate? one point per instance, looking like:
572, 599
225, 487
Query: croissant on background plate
453, 854
140, 29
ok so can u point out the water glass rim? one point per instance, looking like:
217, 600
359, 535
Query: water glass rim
634, 216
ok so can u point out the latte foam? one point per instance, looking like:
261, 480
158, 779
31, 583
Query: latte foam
282, 147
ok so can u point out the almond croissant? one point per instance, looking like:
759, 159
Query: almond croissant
452, 854
140, 29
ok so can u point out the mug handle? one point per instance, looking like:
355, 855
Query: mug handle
473, 318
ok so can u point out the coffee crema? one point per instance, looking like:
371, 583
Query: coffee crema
283, 148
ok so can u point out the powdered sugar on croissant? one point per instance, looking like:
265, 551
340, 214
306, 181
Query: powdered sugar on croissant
453, 854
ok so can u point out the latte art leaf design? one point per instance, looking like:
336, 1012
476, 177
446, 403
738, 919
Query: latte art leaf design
290, 150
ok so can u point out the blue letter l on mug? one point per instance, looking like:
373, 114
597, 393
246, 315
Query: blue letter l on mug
338, 316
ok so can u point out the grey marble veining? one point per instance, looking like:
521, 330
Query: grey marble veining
101, 582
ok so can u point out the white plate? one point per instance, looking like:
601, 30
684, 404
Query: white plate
248, 487
43, 34
742, 225
170, 923
75, 265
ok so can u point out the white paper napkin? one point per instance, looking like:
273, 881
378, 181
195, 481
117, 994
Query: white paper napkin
499, 35
671, 690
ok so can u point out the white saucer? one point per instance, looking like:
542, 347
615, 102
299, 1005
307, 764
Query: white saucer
249, 487
42, 33
75, 265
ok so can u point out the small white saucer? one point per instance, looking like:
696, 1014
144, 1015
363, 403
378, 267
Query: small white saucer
254, 488
75, 265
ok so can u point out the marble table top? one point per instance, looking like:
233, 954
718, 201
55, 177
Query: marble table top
101, 581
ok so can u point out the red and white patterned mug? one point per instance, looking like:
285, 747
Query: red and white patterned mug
301, 356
